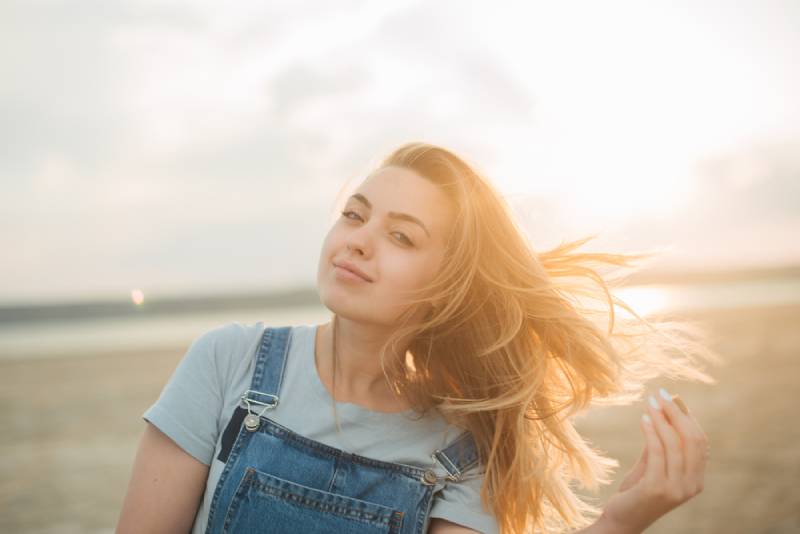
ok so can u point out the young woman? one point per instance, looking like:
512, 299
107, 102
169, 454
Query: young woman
439, 397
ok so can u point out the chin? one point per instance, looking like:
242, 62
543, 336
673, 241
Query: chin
335, 299
347, 307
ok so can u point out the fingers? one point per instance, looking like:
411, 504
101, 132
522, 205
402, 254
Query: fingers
678, 414
655, 468
636, 472
641, 463
642, 458
693, 439
673, 447
676, 447
677, 400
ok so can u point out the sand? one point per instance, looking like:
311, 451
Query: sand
71, 427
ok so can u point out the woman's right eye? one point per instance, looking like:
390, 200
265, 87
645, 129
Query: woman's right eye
345, 213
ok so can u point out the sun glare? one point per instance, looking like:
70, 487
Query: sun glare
137, 296
644, 300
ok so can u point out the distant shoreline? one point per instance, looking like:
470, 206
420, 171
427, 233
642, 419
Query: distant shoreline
305, 296
169, 350
656, 276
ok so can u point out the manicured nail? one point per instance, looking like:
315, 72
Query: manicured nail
654, 403
646, 418
664, 393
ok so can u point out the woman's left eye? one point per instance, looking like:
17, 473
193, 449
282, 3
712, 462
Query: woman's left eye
405, 239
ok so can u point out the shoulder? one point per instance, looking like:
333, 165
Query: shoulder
223, 349
233, 345
231, 333
461, 503
228, 339
192, 404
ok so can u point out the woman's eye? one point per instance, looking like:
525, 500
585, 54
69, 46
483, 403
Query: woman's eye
403, 238
345, 213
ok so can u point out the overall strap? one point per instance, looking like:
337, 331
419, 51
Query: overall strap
270, 367
459, 456
264, 387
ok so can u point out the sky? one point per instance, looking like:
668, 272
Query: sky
195, 147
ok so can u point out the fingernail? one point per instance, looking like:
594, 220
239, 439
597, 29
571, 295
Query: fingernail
664, 393
646, 418
654, 403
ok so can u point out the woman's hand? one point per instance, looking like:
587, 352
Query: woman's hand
668, 473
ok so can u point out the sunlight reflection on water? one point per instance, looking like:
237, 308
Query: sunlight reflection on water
92, 335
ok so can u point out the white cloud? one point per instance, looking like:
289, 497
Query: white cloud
187, 144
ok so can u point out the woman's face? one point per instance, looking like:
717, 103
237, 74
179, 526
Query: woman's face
379, 235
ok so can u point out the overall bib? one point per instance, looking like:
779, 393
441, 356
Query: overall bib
276, 480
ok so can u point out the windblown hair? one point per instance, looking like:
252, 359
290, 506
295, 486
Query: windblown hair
511, 350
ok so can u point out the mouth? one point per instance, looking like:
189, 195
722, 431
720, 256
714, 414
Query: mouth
349, 272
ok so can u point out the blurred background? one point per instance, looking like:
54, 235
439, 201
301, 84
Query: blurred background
167, 167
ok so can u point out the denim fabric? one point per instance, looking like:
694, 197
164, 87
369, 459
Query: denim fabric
276, 480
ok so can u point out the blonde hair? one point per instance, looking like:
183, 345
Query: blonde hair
508, 351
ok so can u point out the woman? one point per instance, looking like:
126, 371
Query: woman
456, 356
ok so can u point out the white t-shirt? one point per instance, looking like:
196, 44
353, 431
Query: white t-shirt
201, 395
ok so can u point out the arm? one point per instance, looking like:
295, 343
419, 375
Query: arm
165, 488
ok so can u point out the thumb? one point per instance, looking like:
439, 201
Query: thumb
636, 471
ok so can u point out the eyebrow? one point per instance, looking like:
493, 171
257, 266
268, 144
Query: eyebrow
392, 214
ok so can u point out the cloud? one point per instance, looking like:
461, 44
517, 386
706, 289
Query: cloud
758, 182
178, 142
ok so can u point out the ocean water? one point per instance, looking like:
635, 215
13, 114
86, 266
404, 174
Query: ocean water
45, 339
61, 338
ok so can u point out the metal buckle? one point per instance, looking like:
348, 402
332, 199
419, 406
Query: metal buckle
268, 405
252, 421
450, 476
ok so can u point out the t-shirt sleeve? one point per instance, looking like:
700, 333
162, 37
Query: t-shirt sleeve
460, 502
189, 406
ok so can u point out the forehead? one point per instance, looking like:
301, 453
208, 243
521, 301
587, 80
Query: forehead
403, 190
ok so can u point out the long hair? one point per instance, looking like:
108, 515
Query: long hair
511, 349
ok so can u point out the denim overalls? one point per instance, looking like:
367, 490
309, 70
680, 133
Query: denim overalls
276, 480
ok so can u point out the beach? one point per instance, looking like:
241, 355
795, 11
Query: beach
749, 417
71, 426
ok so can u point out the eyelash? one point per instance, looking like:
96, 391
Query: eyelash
408, 241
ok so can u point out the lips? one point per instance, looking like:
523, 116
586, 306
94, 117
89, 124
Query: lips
353, 269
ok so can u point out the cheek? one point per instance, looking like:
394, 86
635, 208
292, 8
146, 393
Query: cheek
326, 253
406, 272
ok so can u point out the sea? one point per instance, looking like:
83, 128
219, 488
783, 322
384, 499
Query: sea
40, 333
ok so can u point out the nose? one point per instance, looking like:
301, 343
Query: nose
358, 241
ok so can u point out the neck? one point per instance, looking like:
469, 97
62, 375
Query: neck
358, 375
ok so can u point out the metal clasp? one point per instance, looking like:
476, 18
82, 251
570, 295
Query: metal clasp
449, 475
251, 420
248, 401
